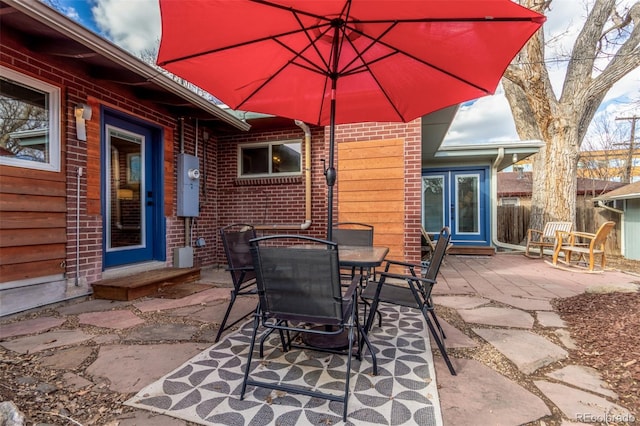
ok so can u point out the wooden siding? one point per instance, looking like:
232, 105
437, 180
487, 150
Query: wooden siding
32, 223
371, 189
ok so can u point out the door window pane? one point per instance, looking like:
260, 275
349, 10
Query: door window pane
126, 210
467, 200
433, 203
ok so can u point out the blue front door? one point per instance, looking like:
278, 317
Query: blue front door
458, 199
133, 225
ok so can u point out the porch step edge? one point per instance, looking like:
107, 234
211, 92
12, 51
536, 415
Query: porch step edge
142, 284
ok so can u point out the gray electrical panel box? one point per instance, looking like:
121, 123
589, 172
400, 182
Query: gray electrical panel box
188, 185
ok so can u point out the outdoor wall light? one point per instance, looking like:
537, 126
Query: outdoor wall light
82, 113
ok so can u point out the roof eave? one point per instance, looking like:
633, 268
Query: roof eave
78, 33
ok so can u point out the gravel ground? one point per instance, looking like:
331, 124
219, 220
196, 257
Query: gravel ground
606, 328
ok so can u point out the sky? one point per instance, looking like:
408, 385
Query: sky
134, 25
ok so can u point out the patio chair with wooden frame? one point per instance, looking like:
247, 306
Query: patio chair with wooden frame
585, 245
414, 291
300, 291
235, 240
545, 238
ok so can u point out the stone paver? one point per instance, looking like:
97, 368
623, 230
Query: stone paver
200, 298
455, 338
48, 340
479, 395
35, 325
75, 381
622, 287
550, 319
153, 333
460, 302
524, 303
583, 377
111, 319
92, 306
583, 406
68, 359
129, 368
498, 316
527, 350
143, 417
565, 338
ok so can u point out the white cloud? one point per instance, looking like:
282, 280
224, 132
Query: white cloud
487, 119
134, 25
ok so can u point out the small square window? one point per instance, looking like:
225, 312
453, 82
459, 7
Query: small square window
29, 122
282, 158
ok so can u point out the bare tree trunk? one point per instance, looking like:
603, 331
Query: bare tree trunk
562, 122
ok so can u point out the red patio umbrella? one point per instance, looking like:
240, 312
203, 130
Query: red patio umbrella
328, 62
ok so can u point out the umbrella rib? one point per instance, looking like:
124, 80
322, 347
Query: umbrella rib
415, 58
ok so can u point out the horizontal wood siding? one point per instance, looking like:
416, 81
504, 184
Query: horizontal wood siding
33, 217
371, 189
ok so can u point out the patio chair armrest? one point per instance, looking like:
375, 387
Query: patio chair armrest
348, 294
409, 265
407, 277
584, 235
530, 233
240, 268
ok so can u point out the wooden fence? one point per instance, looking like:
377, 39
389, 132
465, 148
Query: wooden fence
513, 223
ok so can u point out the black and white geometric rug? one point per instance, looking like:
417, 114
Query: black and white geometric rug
206, 389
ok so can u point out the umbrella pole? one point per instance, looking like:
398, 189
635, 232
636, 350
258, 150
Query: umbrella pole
330, 173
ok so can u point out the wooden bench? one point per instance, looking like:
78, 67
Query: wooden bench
583, 244
546, 237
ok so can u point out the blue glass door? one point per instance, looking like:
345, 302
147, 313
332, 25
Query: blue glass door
458, 199
130, 208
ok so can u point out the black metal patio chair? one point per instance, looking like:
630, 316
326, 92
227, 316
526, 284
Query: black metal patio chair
300, 292
413, 290
235, 240
353, 234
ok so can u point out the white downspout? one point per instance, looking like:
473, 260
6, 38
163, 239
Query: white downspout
307, 182
78, 176
494, 205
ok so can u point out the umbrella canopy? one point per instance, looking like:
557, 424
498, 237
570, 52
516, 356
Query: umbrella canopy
328, 62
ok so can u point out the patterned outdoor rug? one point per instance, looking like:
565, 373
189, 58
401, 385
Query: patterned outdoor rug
206, 389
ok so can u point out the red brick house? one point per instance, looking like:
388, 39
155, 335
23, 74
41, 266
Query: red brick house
101, 179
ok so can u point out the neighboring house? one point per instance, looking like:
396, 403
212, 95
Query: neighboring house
610, 164
514, 189
627, 201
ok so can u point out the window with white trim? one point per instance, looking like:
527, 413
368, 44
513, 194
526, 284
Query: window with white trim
281, 158
29, 122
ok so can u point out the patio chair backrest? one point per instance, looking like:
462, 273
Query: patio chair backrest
235, 240
438, 254
299, 280
550, 229
353, 234
601, 235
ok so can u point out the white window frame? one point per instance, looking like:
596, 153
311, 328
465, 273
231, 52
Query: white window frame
53, 139
270, 174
